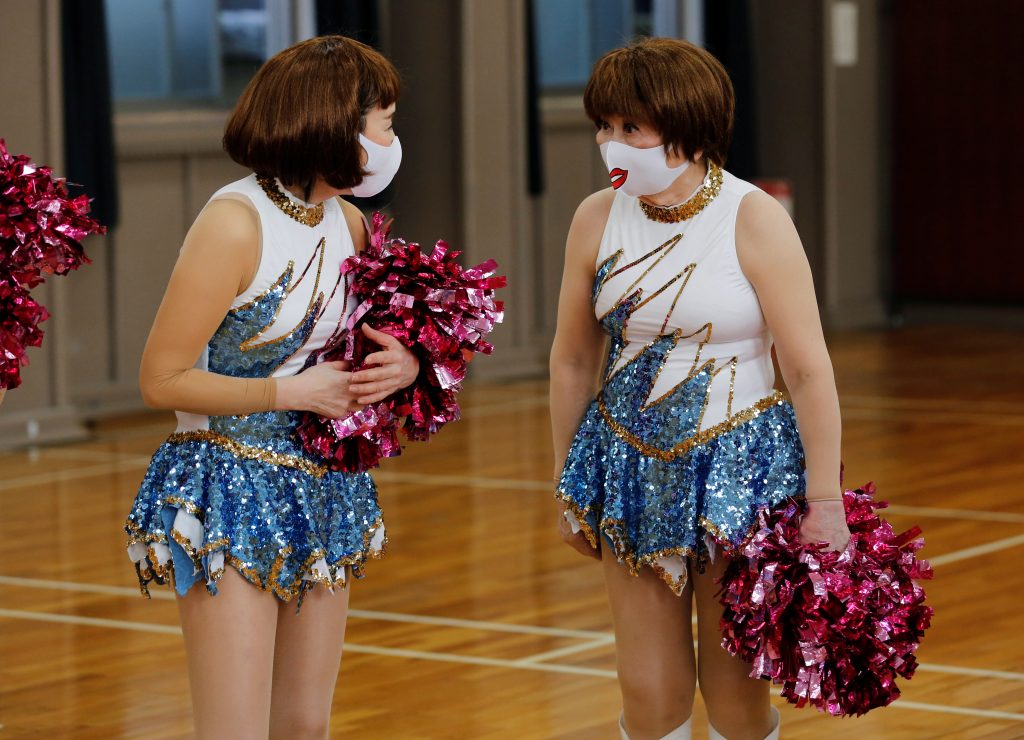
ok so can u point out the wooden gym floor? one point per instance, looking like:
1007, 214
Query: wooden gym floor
480, 623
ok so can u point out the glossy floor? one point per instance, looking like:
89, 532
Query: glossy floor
479, 623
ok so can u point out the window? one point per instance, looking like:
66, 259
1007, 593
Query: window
196, 53
571, 34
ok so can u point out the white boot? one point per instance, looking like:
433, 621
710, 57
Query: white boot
714, 734
680, 733
776, 724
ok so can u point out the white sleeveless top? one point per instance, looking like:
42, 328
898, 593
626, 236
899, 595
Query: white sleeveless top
296, 301
704, 297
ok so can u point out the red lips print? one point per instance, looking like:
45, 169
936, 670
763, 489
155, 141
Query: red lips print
618, 177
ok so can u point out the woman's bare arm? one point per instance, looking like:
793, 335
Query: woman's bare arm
773, 259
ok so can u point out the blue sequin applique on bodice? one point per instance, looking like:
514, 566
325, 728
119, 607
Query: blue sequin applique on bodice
663, 465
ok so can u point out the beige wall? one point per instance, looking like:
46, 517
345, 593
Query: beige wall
787, 35
856, 162
30, 124
462, 123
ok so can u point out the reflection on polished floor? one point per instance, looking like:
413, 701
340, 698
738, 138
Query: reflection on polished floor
480, 623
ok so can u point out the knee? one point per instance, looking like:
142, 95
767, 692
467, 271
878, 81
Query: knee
662, 699
299, 724
736, 713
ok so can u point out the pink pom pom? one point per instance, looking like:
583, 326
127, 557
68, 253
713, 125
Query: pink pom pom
20, 317
40, 230
435, 307
835, 629
40, 225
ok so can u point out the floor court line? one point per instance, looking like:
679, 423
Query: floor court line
569, 650
66, 476
973, 552
934, 512
465, 659
593, 638
473, 624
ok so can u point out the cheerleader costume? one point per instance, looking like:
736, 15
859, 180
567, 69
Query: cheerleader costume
240, 491
687, 438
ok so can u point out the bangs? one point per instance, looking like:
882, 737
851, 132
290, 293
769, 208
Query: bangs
379, 82
614, 90
678, 89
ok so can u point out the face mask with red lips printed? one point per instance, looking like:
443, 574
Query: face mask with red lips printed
639, 172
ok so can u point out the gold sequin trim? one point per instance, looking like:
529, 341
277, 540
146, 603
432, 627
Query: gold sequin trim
317, 250
614, 530
136, 535
189, 506
306, 216
248, 452
315, 300
694, 369
206, 549
246, 572
678, 585
150, 568
709, 190
581, 516
285, 278
665, 248
160, 572
702, 437
607, 263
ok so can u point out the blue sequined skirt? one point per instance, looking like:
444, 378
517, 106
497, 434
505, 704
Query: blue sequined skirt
243, 494
665, 505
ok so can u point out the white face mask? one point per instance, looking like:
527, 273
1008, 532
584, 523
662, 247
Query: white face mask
382, 163
639, 171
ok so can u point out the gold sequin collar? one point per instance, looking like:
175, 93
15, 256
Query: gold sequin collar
674, 214
306, 216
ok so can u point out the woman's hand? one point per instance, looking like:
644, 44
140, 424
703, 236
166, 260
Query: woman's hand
323, 389
397, 368
825, 521
577, 541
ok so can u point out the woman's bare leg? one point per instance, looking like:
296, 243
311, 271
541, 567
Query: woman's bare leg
306, 662
654, 649
738, 706
229, 640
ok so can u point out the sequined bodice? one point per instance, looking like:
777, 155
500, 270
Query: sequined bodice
296, 302
689, 347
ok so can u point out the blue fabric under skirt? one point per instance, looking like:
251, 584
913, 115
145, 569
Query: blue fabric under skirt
285, 523
665, 509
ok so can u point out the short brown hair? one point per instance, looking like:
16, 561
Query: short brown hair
300, 116
678, 88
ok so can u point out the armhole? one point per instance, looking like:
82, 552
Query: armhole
344, 220
246, 201
734, 252
603, 248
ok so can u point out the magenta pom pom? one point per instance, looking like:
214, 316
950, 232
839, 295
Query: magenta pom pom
40, 225
40, 231
835, 629
434, 306
20, 317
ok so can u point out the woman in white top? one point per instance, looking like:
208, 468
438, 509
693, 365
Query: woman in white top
678, 281
232, 511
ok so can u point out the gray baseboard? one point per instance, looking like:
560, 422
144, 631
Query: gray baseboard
41, 427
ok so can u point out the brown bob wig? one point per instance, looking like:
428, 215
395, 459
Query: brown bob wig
300, 116
678, 88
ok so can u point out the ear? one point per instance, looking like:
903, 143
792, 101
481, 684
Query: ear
674, 157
